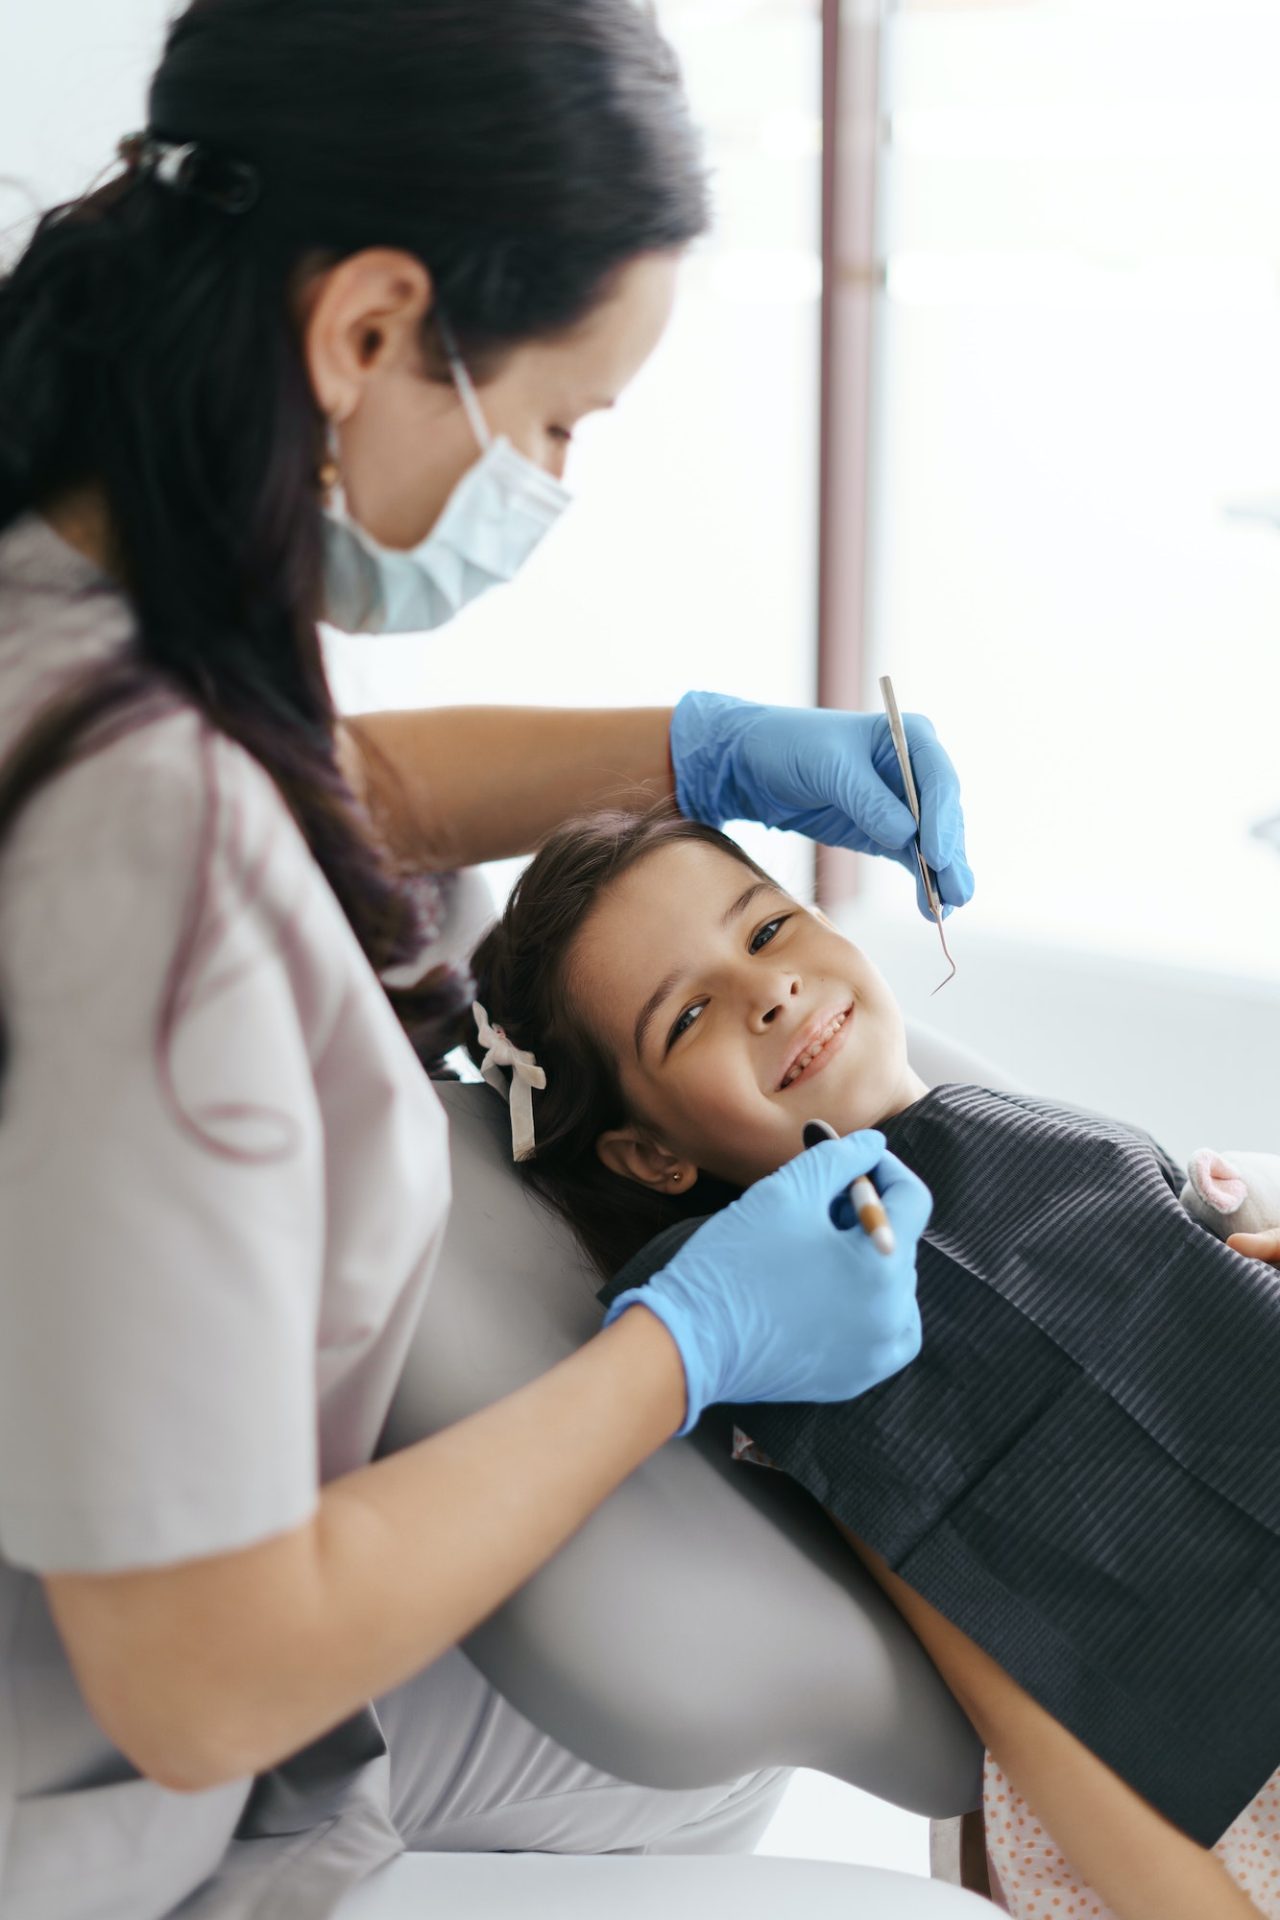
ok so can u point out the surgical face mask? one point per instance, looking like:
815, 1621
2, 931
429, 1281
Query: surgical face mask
491, 523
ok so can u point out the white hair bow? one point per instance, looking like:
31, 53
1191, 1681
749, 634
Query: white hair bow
526, 1074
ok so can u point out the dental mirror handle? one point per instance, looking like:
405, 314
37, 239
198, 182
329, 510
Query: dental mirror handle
863, 1198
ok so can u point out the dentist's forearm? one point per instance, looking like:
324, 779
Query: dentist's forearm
215, 1669
451, 786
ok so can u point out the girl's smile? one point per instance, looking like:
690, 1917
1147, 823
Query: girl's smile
816, 1051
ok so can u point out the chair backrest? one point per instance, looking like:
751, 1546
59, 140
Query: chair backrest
707, 1620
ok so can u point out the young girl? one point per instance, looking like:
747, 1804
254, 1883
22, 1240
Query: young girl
1073, 1494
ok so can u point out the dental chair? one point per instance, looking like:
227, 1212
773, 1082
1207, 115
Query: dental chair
753, 1636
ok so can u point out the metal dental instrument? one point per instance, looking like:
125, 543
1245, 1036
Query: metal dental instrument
913, 801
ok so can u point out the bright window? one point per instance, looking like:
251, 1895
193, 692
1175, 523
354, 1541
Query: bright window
1077, 392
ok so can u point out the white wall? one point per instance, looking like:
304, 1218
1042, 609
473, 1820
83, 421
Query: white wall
1189, 1054
73, 76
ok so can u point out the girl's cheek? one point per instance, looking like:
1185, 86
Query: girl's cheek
732, 1134
723, 1118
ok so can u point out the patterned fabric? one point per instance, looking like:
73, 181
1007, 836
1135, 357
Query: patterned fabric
1032, 1880
1082, 1468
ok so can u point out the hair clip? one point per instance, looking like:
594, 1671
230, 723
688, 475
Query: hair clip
194, 171
526, 1074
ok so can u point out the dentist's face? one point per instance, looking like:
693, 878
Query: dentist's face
734, 1015
404, 437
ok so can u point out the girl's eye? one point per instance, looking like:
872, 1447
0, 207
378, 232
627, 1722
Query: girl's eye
759, 940
763, 935
683, 1024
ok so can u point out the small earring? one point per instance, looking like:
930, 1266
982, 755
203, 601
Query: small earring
329, 472
675, 1177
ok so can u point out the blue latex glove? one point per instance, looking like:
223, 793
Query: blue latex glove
833, 776
773, 1300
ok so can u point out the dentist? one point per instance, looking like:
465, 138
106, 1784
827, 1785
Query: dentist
318, 351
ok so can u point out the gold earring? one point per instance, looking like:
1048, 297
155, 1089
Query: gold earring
329, 472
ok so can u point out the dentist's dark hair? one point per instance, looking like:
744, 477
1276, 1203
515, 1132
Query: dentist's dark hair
524, 150
525, 982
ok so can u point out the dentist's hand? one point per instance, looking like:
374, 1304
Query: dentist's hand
833, 776
772, 1300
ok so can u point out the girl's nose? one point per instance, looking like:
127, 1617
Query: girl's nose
775, 998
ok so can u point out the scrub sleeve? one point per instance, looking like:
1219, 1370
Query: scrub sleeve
223, 1184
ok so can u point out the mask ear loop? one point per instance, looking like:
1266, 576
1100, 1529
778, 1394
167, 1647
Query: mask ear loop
463, 382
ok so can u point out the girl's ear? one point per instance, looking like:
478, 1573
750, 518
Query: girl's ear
627, 1151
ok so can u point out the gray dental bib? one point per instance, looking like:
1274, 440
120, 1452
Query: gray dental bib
1082, 1467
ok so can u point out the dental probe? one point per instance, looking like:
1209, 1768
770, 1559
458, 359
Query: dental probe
863, 1198
898, 731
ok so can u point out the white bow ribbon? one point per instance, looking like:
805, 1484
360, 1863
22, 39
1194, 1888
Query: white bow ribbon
526, 1074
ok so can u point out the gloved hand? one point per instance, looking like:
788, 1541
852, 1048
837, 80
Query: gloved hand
772, 1300
831, 775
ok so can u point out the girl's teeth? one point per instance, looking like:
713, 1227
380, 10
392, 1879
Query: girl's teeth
806, 1059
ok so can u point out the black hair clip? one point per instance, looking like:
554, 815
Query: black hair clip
193, 170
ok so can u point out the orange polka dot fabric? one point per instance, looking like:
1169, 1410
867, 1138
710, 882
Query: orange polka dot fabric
1031, 1880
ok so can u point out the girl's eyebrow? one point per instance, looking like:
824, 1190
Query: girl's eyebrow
745, 898
651, 1005
668, 986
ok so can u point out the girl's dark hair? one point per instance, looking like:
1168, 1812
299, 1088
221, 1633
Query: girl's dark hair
524, 150
521, 969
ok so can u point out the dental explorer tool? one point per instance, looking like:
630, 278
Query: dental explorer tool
863, 1198
898, 732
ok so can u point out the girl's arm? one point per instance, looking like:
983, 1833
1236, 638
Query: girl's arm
1130, 1855
452, 786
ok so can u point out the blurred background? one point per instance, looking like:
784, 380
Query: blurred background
977, 382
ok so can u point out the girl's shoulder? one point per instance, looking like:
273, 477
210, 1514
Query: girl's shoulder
960, 1134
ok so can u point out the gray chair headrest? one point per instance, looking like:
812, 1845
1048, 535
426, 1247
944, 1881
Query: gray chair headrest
707, 1620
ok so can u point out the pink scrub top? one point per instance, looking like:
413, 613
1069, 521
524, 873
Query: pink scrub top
223, 1184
